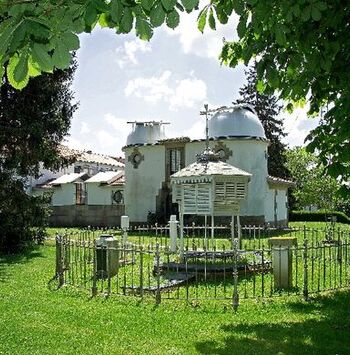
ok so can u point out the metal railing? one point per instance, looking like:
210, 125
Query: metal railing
222, 272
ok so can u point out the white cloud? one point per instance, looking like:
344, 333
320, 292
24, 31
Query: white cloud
185, 93
188, 92
106, 139
127, 53
209, 43
85, 128
75, 143
151, 89
298, 125
120, 125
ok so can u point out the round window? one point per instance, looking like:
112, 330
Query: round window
137, 158
118, 197
221, 153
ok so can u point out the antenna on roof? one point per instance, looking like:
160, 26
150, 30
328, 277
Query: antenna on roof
206, 125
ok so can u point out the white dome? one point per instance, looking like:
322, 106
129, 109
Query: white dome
241, 121
145, 133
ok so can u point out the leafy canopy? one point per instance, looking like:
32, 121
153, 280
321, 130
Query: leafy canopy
313, 186
301, 47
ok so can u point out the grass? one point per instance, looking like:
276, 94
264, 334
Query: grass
37, 320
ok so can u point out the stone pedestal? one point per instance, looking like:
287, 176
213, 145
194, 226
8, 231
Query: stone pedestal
282, 260
107, 255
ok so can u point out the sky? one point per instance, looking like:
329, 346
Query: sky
121, 78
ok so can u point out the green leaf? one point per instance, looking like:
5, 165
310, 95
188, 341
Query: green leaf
260, 86
90, 14
173, 19
242, 26
5, 39
21, 69
61, 57
127, 20
33, 69
70, 40
11, 67
147, 4
221, 14
168, 4
238, 7
321, 5
280, 36
315, 13
41, 57
305, 15
189, 5
143, 29
116, 10
157, 15
202, 19
211, 19
18, 36
2, 72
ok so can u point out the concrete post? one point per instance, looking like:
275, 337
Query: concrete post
282, 260
125, 226
173, 223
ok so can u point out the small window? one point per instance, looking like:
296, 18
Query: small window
77, 169
80, 193
175, 160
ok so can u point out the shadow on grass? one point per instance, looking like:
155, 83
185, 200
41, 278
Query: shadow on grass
328, 334
6, 260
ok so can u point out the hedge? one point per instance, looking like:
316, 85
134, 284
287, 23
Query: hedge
317, 216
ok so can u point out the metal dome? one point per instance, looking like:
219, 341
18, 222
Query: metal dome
239, 121
145, 132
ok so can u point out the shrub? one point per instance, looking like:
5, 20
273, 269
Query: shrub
317, 216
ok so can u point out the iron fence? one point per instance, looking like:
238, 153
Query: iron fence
146, 267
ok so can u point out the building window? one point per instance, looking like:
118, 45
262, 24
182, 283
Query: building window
77, 169
80, 193
175, 160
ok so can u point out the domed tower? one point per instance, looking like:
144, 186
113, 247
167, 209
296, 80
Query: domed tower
238, 136
238, 121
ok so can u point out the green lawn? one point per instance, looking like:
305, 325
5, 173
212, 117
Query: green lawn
36, 320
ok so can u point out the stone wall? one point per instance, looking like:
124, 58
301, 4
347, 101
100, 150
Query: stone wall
86, 215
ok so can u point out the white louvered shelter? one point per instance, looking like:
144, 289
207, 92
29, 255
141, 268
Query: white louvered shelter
210, 187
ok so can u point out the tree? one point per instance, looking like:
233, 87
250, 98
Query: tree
267, 109
301, 48
33, 122
313, 186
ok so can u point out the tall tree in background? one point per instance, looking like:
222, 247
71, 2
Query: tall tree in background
33, 122
267, 109
313, 186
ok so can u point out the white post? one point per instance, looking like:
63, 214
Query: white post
212, 229
181, 232
232, 230
173, 233
239, 231
205, 232
125, 226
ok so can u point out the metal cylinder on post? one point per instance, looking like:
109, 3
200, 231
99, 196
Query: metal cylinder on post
173, 224
282, 260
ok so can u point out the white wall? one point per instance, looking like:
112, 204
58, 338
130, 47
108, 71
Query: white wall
142, 184
98, 194
269, 206
63, 195
281, 205
281, 200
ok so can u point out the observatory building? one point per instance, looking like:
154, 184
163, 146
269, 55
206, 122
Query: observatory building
237, 137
